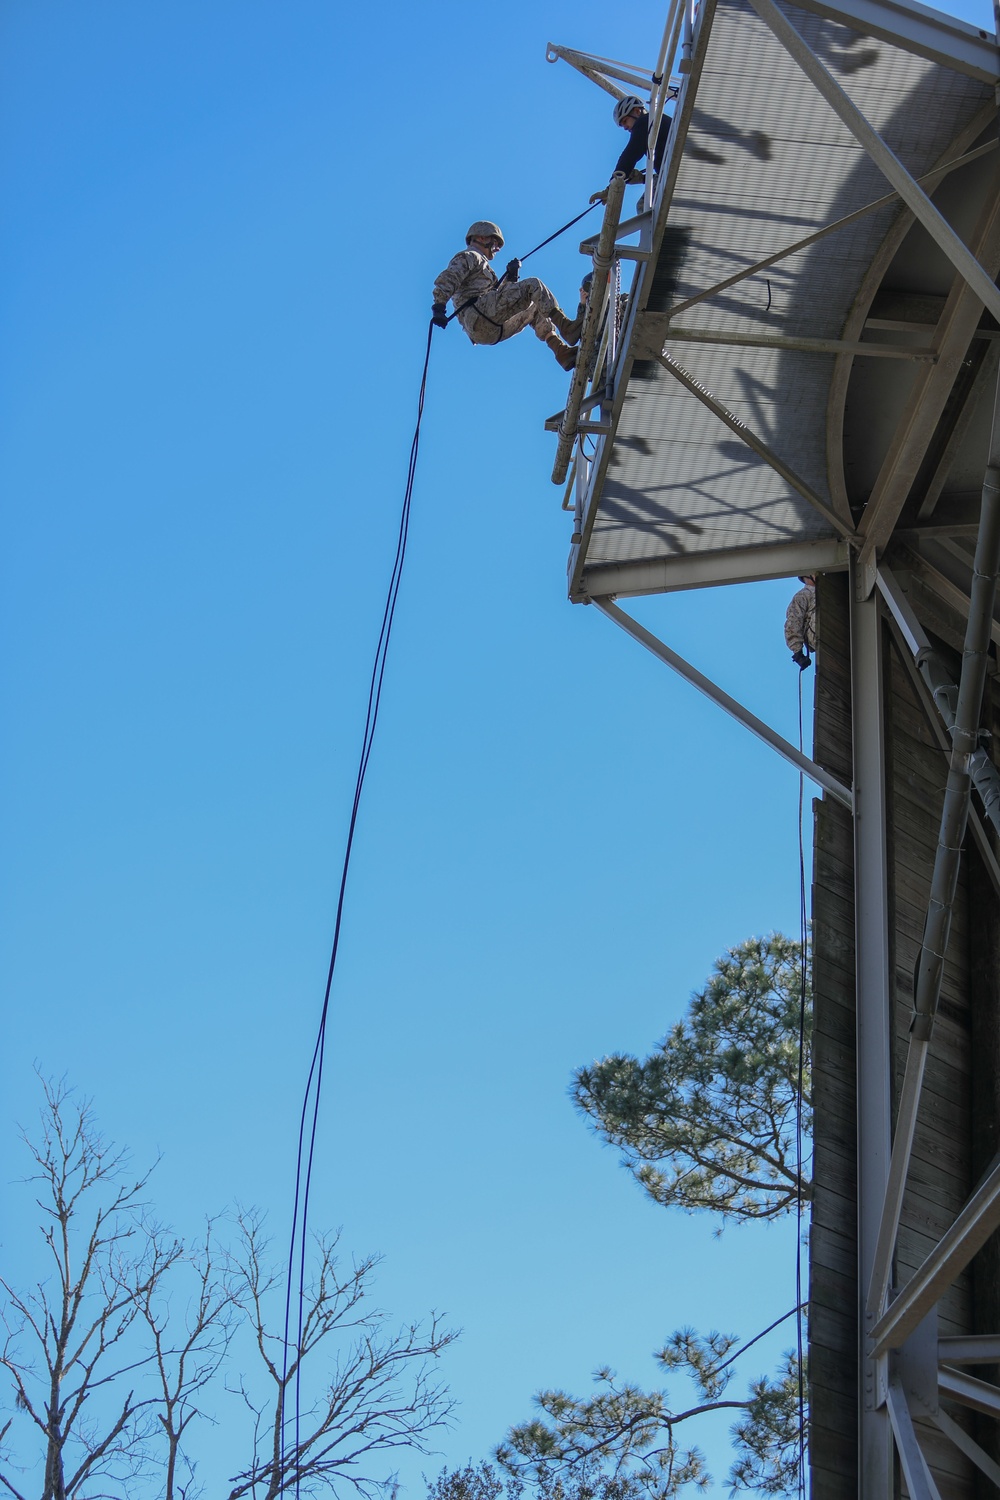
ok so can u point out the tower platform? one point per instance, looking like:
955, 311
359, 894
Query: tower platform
803, 379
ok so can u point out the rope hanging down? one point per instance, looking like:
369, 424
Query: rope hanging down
799, 1154
309, 1120
310, 1102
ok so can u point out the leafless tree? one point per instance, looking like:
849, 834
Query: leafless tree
186, 1360
361, 1390
70, 1344
112, 1354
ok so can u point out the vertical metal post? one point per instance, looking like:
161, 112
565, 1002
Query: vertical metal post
874, 1013
687, 39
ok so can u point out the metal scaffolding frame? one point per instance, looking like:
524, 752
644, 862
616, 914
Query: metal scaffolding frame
905, 1367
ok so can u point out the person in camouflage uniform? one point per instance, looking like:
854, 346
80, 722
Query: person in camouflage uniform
490, 310
800, 622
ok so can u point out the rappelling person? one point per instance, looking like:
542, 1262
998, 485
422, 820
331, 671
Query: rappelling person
632, 115
491, 309
800, 622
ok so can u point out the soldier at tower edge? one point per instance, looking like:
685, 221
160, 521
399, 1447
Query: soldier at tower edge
632, 115
491, 311
800, 622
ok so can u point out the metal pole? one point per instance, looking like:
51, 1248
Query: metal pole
847, 111
711, 690
874, 1012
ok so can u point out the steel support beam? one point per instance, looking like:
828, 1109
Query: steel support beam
888, 163
986, 374
744, 433
941, 38
601, 70
937, 583
970, 1349
737, 711
899, 1166
981, 1395
965, 741
874, 1011
927, 400
929, 179
942, 692
659, 327
919, 1480
936, 726
702, 570
948, 1259
967, 1445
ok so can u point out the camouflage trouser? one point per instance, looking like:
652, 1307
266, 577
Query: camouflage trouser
506, 310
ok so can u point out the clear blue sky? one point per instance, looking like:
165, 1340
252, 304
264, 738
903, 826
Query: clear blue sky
221, 224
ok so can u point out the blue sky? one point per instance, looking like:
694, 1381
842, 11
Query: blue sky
222, 224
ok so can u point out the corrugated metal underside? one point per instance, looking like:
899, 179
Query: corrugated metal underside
764, 163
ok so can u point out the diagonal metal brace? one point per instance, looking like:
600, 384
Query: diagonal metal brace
711, 690
948, 1259
744, 433
888, 163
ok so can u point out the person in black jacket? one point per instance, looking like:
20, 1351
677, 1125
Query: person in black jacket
632, 115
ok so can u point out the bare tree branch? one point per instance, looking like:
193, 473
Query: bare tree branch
369, 1389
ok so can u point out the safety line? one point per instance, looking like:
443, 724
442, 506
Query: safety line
803, 978
309, 1119
314, 1082
757, 1338
527, 256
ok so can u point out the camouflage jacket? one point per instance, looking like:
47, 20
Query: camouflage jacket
800, 620
468, 274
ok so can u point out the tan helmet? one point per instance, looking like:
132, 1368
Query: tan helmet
482, 229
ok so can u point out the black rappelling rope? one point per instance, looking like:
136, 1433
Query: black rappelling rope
310, 1102
803, 982
311, 1098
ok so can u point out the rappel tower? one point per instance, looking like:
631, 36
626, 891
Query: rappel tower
789, 365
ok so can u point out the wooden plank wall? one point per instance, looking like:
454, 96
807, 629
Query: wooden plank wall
959, 1123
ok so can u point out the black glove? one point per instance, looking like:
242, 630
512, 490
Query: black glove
801, 658
513, 270
439, 315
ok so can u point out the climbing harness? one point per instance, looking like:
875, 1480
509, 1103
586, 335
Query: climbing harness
472, 302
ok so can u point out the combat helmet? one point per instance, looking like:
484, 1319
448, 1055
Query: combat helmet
482, 229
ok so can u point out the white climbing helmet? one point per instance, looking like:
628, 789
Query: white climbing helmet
630, 105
